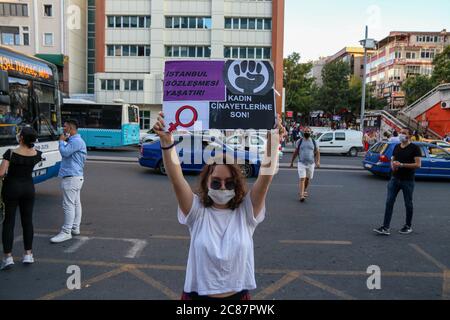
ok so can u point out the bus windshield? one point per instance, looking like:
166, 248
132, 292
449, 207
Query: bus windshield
31, 104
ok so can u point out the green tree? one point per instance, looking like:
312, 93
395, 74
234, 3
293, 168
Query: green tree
334, 93
441, 72
416, 87
298, 84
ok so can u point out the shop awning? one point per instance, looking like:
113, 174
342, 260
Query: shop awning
56, 59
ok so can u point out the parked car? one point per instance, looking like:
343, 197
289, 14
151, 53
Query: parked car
439, 143
250, 142
435, 160
347, 142
147, 136
151, 155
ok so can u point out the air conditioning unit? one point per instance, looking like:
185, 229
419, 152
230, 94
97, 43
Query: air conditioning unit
445, 104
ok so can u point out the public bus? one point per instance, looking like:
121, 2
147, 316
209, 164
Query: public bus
30, 96
103, 125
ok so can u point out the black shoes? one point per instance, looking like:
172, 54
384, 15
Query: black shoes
406, 230
382, 231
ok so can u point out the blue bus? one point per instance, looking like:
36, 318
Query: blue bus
103, 125
30, 96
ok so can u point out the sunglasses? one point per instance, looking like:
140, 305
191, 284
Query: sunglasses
216, 184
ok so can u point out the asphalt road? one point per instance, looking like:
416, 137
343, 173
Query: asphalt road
132, 246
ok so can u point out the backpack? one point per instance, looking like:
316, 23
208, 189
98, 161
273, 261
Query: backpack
300, 143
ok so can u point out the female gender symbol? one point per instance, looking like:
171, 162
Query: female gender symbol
178, 123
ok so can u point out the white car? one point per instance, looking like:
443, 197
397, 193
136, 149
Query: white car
249, 142
147, 136
348, 142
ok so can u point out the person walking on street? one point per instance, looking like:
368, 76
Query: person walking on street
394, 137
405, 160
308, 159
222, 217
73, 152
18, 191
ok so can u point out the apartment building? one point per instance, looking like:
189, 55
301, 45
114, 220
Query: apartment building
316, 70
53, 30
401, 55
129, 42
354, 56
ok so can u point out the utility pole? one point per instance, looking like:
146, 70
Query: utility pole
367, 44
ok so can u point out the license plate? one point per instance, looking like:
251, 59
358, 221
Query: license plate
368, 166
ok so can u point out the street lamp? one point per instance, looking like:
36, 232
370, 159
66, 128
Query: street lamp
368, 44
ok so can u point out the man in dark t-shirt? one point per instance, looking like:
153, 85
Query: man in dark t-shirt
405, 160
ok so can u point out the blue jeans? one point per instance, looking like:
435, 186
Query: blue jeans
394, 187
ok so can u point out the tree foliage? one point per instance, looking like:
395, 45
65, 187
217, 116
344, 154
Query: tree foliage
298, 84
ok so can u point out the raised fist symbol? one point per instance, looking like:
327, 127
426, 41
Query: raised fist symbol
249, 76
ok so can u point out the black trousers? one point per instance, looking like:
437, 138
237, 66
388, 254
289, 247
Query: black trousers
18, 194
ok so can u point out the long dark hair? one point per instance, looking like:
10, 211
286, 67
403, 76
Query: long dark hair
238, 179
29, 136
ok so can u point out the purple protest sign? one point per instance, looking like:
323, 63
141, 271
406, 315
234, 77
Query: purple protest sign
194, 81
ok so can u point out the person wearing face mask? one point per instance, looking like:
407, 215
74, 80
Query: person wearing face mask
18, 191
406, 159
222, 217
308, 159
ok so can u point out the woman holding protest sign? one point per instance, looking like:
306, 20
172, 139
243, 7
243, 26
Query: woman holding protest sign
221, 217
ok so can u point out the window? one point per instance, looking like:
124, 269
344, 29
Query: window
133, 22
259, 24
227, 23
188, 22
327, 137
134, 85
48, 39
26, 39
110, 85
244, 23
10, 35
13, 9
340, 136
188, 51
144, 119
126, 21
128, 50
48, 10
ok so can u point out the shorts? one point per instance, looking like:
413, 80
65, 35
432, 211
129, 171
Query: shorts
306, 170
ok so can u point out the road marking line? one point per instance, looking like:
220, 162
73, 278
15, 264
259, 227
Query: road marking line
285, 280
428, 257
56, 231
134, 252
137, 249
104, 276
446, 286
326, 288
326, 242
77, 245
154, 283
162, 237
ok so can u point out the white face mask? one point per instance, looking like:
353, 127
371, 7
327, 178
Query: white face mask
221, 197
18, 138
403, 138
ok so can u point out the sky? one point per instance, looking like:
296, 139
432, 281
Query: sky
316, 28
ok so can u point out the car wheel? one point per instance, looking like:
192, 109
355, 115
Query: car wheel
247, 170
161, 168
353, 152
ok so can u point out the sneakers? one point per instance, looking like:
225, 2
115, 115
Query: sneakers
76, 232
28, 259
382, 231
405, 230
7, 263
61, 237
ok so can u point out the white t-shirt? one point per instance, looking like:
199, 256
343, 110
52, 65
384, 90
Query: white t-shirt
221, 254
